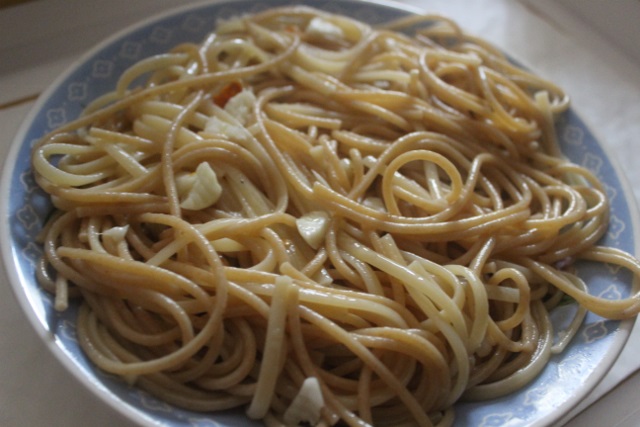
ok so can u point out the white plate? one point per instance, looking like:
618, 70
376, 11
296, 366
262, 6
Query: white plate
562, 384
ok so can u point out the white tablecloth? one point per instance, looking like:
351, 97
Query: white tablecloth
39, 39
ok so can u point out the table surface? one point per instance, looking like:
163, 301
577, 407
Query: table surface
39, 39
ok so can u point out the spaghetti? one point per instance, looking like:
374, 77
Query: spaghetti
323, 222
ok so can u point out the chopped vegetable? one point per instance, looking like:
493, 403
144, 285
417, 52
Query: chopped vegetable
241, 106
200, 189
321, 27
226, 93
313, 227
307, 405
116, 234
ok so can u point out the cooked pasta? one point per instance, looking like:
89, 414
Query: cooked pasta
323, 222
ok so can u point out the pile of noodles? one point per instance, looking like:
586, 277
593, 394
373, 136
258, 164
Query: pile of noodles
323, 222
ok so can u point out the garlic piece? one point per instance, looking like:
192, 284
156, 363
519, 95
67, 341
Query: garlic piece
233, 120
313, 227
322, 28
225, 244
241, 106
306, 406
200, 189
218, 127
116, 234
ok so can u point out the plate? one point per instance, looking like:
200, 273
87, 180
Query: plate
563, 383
